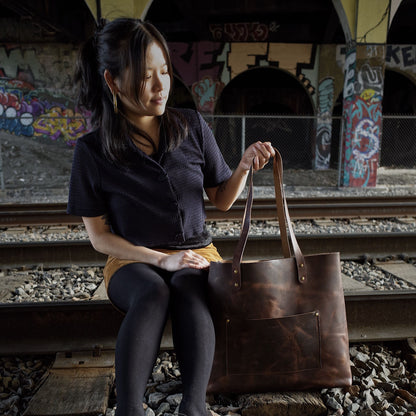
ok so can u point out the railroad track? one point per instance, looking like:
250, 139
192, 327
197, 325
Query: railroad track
82, 325
44, 328
264, 209
353, 246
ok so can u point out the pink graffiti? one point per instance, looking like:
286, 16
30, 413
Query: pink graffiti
240, 32
194, 61
207, 91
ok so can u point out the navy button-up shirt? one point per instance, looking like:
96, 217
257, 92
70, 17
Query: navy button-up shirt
158, 201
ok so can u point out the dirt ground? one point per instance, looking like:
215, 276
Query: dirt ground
38, 170
34, 166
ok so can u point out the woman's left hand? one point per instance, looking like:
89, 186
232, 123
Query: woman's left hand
258, 155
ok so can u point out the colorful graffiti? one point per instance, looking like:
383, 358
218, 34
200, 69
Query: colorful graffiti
207, 90
370, 81
35, 91
207, 66
363, 91
198, 66
362, 142
324, 123
26, 113
63, 123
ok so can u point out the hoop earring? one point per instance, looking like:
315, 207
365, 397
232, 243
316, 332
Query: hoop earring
115, 103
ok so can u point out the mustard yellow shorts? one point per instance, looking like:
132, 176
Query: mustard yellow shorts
210, 252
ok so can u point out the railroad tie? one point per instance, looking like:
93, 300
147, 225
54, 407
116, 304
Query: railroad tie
77, 384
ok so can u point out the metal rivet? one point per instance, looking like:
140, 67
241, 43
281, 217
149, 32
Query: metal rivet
303, 278
316, 313
236, 284
301, 265
228, 321
235, 271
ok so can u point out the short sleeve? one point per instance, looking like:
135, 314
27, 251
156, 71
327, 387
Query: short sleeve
216, 170
85, 193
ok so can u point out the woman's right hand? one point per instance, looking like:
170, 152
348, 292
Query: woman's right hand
104, 241
183, 260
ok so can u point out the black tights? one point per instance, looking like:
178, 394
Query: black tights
147, 294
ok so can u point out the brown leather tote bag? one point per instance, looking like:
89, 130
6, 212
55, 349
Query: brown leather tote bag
280, 324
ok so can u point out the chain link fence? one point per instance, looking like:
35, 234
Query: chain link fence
398, 142
310, 146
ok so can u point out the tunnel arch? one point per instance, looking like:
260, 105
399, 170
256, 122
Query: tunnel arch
266, 91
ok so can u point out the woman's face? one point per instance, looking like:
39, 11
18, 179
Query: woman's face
156, 88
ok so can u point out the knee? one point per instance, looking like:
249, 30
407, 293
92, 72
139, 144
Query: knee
189, 281
155, 291
147, 297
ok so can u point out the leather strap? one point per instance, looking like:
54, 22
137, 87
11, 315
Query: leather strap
284, 224
245, 227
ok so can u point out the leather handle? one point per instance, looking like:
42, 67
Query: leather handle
285, 224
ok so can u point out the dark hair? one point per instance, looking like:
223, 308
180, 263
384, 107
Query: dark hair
116, 46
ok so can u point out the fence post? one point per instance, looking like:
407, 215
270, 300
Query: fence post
243, 135
2, 186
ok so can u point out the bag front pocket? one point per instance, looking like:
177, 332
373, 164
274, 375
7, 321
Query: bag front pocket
275, 345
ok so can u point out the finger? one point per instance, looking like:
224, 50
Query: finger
270, 148
195, 260
256, 163
199, 264
265, 150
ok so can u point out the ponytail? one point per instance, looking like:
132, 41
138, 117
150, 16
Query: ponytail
116, 46
90, 92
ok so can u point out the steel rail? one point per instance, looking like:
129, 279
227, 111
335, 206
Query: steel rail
353, 246
44, 328
300, 208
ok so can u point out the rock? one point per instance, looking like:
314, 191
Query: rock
270, 404
404, 394
155, 399
163, 408
158, 377
174, 399
170, 387
333, 403
354, 390
367, 412
149, 412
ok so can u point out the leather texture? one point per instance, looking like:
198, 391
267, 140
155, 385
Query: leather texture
280, 324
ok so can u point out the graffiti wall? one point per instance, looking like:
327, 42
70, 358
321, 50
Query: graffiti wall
206, 67
36, 87
362, 118
36, 93
401, 57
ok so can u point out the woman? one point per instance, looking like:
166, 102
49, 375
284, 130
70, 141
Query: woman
138, 181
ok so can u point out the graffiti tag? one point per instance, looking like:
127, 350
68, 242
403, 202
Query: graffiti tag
324, 123
239, 32
207, 91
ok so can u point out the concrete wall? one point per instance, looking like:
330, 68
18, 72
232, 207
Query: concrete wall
37, 91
